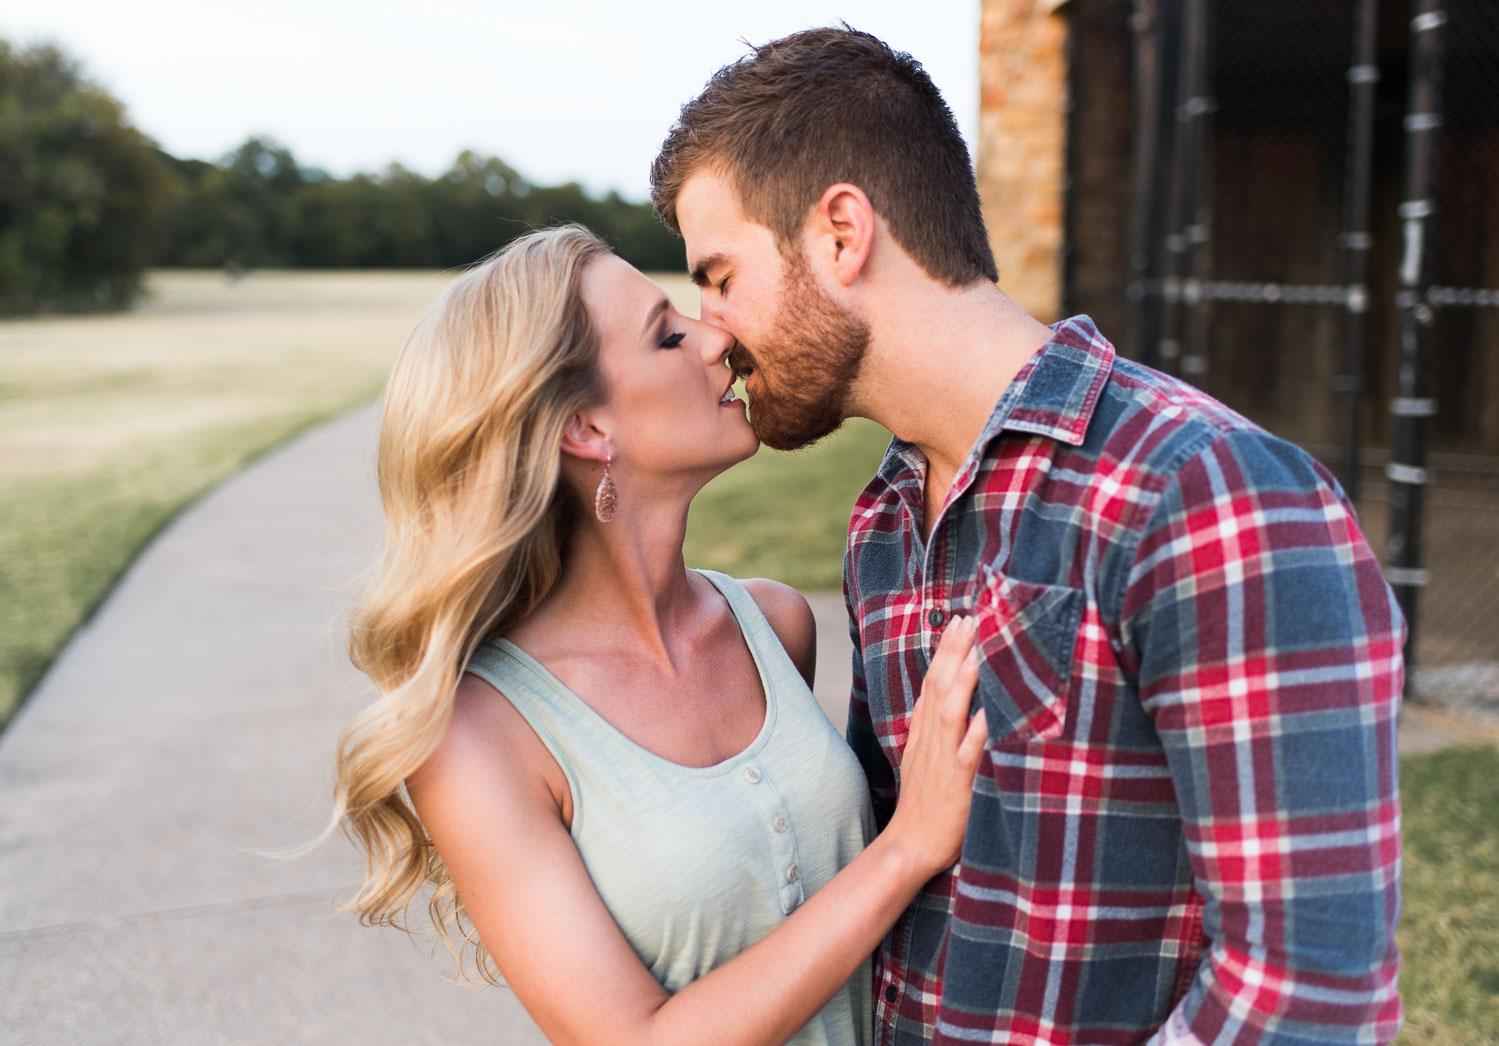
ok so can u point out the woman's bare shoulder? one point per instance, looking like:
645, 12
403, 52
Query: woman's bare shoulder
791, 618
488, 745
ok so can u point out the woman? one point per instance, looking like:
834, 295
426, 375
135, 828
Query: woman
620, 787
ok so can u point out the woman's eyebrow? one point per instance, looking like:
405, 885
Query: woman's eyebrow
650, 318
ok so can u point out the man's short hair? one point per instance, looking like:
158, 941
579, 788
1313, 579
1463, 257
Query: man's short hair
825, 106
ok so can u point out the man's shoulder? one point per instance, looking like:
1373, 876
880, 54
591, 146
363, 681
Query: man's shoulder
1149, 425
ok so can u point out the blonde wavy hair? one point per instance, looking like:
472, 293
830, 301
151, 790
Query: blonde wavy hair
476, 518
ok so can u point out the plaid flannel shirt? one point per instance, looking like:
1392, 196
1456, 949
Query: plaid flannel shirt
1185, 826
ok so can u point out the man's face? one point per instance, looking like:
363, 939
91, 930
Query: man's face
797, 349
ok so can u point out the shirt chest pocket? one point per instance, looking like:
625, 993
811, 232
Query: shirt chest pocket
1027, 634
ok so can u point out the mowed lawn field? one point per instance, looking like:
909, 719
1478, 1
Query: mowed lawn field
109, 425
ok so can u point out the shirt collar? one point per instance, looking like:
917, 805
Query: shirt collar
1053, 395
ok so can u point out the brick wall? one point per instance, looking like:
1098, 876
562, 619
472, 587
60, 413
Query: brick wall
1022, 146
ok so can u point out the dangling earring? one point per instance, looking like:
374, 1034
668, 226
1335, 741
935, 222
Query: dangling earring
606, 497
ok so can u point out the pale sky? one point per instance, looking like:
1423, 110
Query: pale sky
562, 90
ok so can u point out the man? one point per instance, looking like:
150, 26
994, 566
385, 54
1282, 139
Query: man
1185, 828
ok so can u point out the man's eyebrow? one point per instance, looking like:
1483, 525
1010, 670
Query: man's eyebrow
699, 272
650, 317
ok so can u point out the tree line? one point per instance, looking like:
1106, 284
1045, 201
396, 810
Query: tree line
88, 203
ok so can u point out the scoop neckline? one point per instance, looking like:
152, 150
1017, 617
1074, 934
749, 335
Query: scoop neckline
725, 766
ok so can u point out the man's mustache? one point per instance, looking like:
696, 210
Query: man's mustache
740, 361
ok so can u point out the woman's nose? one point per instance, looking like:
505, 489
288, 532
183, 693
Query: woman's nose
717, 341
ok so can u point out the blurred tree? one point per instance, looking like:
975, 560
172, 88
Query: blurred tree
87, 201
81, 191
257, 207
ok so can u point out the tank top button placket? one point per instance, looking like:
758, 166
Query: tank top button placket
768, 800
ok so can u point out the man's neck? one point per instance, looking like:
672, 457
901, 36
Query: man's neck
938, 362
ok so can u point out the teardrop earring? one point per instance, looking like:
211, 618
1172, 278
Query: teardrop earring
606, 497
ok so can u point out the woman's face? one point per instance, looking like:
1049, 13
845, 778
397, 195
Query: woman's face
671, 409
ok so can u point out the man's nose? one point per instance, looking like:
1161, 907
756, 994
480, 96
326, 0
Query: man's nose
711, 309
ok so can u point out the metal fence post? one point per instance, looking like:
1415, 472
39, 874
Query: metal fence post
1199, 108
1145, 175
1412, 405
1180, 292
1356, 241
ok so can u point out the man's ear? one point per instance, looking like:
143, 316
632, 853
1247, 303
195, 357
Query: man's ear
843, 228
583, 438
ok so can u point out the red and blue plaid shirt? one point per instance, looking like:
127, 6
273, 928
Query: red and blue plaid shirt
1185, 824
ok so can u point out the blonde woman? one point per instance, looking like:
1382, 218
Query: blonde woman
616, 780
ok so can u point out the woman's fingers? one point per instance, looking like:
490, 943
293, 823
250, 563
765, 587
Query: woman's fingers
948, 659
958, 698
942, 753
972, 748
951, 678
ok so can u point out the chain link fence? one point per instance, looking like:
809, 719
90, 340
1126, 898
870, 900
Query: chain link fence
1291, 205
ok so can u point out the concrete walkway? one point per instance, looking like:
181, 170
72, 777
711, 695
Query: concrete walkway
191, 725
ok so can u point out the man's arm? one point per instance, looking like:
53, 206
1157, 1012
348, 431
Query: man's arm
1269, 656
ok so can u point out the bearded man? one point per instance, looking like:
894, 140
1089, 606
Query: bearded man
1185, 828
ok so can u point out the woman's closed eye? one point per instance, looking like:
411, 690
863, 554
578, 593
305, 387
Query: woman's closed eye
672, 340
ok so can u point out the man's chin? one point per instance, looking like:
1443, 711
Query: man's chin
781, 429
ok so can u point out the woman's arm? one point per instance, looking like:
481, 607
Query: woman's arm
492, 799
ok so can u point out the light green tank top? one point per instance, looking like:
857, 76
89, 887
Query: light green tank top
698, 863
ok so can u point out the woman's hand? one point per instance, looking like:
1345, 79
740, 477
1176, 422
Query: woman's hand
941, 756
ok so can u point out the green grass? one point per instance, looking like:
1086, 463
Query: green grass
785, 515
109, 425
1449, 930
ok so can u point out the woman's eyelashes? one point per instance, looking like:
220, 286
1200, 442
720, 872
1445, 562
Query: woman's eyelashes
672, 340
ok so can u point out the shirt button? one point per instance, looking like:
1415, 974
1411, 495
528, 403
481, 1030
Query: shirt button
791, 874
890, 993
751, 775
935, 618
781, 824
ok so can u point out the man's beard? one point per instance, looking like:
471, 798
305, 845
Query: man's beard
818, 347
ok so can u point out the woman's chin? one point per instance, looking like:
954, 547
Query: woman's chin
746, 446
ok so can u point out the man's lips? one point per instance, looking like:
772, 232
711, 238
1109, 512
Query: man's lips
741, 362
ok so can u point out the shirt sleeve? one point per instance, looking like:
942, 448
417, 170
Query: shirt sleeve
1269, 653
860, 733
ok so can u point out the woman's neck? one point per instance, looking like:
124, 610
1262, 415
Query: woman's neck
626, 579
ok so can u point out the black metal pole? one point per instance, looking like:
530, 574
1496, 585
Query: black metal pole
1198, 107
1412, 405
1145, 176
1180, 206
1356, 240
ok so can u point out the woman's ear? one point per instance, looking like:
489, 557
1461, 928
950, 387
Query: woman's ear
843, 229
583, 438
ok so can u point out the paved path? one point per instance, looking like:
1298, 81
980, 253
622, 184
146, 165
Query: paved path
190, 725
